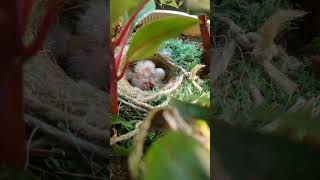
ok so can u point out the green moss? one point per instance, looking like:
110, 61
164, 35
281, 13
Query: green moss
186, 54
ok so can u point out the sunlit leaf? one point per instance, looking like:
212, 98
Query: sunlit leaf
147, 10
174, 156
172, 3
120, 7
188, 110
149, 38
201, 131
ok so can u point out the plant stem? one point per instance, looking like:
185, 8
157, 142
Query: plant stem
115, 63
128, 24
123, 71
113, 83
42, 31
205, 40
24, 7
122, 46
12, 127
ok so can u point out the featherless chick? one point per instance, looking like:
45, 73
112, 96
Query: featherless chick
145, 75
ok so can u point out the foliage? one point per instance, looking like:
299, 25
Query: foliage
189, 132
234, 97
190, 111
174, 156
150, 37
126, 7
118, 120
290, 149
172, 3
184, 54
189, 93
192, 6
144, 42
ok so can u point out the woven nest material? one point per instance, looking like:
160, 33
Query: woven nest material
140, 98
51, 95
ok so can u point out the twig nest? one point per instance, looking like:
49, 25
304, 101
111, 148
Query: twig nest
149, 79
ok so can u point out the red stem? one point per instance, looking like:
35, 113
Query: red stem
12, 128
205, 40
123, 71
128, 24
42, 32
113, 84
12, 125
115, 63
122, 46
24, 7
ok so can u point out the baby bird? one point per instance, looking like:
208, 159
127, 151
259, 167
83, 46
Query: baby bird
145, 75
159, 75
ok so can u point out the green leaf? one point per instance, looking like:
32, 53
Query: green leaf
174, 156
119, 150
191, 111
149, 38
147, 10
120, 7
118, 120
172, 3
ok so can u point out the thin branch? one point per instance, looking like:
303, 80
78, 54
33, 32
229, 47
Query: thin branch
28, 147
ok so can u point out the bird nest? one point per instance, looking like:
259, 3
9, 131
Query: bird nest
141, 99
